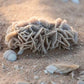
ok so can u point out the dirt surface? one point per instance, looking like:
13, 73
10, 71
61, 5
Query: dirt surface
34, 64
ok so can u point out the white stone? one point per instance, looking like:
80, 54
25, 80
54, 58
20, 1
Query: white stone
23, 83
64, 0
81, 77
51, 69
10, 55
45, 71
42, 83
36, 77
76, 1
53, 82
16, 67
21, 68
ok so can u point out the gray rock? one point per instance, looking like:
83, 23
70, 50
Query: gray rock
51, 69
10, 55
76, 1
80, 82
64, 0
16, 67
21, 67
62, 82
42, 83
45, 71
61, 68
52, 82
9, 73
36, 77
3, 66
23, 83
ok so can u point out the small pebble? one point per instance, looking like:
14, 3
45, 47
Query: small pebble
45, 71
53, 82
42, 83
51, 69
3, 66
80, 82
64, 0
16, 67
10, 55
62, 82
36, 77
23, 83
76, 1
21, 68
9, 73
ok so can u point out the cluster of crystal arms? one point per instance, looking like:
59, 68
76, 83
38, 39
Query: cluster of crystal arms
40, 35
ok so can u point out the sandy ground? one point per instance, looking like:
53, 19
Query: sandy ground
34, 64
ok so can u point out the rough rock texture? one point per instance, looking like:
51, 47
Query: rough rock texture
10, 55
40, 35
34, 64
61, 68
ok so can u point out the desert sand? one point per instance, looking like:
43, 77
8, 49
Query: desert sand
33, 64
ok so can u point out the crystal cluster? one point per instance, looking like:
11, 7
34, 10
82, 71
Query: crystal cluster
40, 35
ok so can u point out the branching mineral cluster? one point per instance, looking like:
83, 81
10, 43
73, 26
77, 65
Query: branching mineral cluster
40, 35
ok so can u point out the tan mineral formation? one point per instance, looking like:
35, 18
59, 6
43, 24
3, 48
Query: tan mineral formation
40, 35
